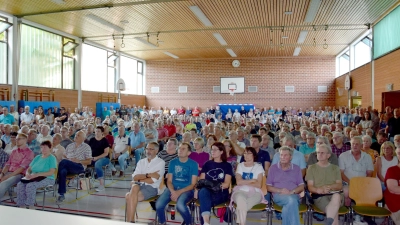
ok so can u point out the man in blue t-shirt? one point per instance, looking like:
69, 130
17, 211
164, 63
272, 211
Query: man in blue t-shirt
181, 179
262, 156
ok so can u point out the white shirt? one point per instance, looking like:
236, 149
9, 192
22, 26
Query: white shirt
40, 138
173, 112
156, 164
121, 143
27, 118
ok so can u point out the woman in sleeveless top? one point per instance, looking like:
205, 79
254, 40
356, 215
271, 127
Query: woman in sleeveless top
386, 160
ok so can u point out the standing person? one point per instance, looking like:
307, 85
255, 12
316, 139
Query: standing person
215, 170
145, 180
100, 158
322, 178
181, 179
247, 193
285, 181
41, 170
16, 165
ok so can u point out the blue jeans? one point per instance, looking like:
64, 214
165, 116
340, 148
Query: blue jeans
138, 154
121, 160
98, 166
290, 210
67, 167
181, 205
208, 199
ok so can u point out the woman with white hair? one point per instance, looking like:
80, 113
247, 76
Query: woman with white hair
386, 160
367, 141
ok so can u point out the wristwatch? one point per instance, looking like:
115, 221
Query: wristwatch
147, 175
294, 192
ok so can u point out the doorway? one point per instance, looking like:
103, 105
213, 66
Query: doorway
356, 101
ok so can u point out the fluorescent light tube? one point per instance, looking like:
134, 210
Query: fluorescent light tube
200, 15
220, 39
312, 11
69, 46
172, 55
105, 22
302, 36
145, 42
4, 25
296, 51
231, 52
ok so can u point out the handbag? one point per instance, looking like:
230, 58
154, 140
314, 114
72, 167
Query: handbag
213, 186
36, 179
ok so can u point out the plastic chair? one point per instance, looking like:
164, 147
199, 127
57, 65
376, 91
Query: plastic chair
366, 191
48, 188
78, 177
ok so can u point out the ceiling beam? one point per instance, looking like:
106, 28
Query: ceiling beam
102, 6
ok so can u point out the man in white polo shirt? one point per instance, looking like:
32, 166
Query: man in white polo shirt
120, 150
27, 117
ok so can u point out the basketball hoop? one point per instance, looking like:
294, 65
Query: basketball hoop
231, 91
232, 88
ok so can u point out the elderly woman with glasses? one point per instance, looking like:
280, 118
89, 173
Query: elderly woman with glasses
387, 159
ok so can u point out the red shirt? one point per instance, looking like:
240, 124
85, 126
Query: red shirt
392, 200
162, 133
195, 112
171, 129
110, 139
181, 111
207, 121
20, 157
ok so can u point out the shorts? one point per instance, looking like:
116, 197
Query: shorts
148, 191
323, 201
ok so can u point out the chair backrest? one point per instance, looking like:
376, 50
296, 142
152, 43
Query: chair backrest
264, 186
365, 191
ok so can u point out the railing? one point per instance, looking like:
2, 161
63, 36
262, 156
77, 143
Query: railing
37, 94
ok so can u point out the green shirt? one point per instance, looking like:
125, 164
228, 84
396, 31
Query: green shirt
323, 175
42, 165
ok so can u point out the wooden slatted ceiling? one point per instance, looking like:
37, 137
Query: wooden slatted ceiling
176, 18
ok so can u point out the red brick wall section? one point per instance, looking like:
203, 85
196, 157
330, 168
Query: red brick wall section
270, 75
387, 71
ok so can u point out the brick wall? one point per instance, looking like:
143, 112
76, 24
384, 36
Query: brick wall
270, 75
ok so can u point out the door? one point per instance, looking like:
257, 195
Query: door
391, 98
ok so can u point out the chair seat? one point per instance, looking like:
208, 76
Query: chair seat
302, 208
151, 199
371, 211
258, 207
342, 210
222, 205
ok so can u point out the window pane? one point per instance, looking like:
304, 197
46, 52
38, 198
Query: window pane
68, 73
140, 67
129, 74
3, 36
111, 79
362, 54
3, 63
140, 84
41, 54
343, 64
94, 69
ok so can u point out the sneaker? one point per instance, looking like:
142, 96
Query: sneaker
264, 215
121, 173
60, 199
100, 188
113, 172
278, 215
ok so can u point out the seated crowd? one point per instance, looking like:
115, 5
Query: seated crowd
243, 157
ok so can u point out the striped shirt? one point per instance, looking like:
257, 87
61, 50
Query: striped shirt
167, 158
81, 152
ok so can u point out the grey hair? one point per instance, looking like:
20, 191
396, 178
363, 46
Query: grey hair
327, 147
367, 137
324, 139
311, 134
358, 138
286, 148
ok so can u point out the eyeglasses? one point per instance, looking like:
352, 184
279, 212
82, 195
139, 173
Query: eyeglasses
150, 149
322, 153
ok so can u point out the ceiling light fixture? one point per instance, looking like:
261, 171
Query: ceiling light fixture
312, 10
4, 25
146, 42
231, 52
302, 36
314, 43
200, 15
69, 46
105, 22
325, 46
296, 51
172, 55
220, 39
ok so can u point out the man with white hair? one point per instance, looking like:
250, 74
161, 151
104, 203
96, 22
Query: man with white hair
44, 134
354, 163
27, 117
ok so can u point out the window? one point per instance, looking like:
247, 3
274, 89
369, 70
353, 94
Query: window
362, 52
140, 78
344, 63
43, 62
3, 57
94, 69
128, 73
